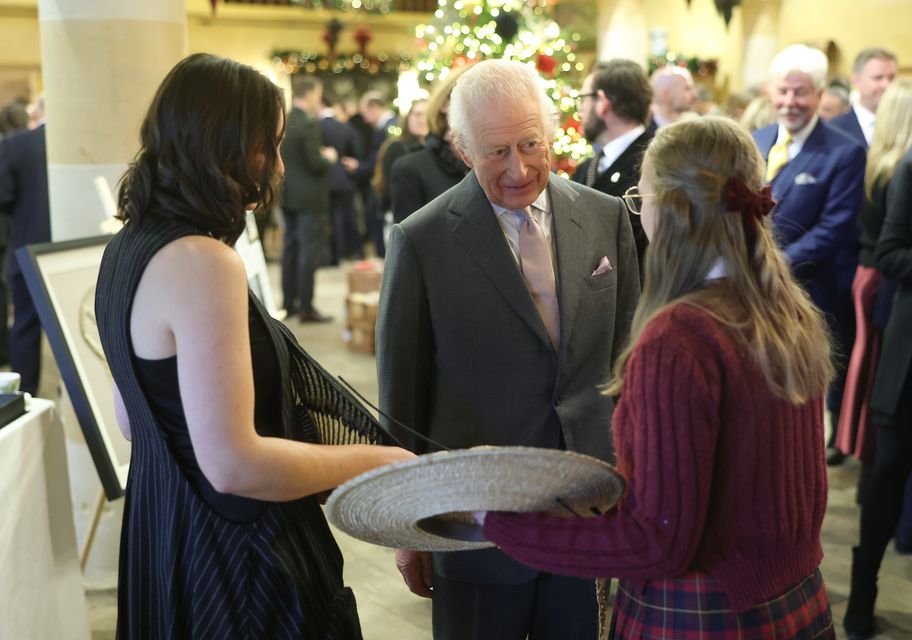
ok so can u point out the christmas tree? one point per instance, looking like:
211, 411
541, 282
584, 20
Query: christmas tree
465, 31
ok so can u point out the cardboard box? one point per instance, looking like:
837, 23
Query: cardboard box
365, 277
360, 338
361, 308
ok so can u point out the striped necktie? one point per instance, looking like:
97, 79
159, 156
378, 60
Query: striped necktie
538, 272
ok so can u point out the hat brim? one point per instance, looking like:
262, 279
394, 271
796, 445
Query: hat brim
424, 503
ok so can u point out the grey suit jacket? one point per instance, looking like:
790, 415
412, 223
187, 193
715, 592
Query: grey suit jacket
462, 354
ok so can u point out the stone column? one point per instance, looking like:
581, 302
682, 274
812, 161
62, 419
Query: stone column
102, 61
760, 29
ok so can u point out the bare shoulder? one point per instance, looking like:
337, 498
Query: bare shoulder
186, 282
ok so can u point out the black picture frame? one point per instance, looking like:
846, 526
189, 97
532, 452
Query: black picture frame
61, 278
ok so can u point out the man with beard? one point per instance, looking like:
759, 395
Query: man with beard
614, 107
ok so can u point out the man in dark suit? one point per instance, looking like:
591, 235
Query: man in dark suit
24, 197
305, 199
504, 303
614, 107
375, 112
873, 71
344, 139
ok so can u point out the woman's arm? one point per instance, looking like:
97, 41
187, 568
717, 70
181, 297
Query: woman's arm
120, 412
203, 295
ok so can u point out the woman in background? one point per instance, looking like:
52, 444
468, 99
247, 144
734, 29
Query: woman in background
891, 397
418, 178
719, 424
223, 536
411, 139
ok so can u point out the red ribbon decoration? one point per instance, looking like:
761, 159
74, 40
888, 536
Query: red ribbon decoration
752, 205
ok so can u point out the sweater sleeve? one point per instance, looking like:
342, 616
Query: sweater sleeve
666, 440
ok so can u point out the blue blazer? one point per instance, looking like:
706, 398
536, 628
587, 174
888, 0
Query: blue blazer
818, 195
848, 124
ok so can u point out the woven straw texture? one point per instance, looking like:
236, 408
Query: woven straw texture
385, 506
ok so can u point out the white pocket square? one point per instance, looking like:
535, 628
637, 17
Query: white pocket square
604, 266
805, 178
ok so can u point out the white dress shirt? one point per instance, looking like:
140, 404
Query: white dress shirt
866, 121
613, 150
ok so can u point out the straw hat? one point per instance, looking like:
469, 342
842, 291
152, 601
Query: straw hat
425, 503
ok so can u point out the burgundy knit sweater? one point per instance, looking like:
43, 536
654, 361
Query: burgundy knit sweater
723, 476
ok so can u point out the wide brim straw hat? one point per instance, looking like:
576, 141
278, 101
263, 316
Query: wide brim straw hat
425, 503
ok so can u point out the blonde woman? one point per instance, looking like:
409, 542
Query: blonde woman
872, 295
889, 182
719, 423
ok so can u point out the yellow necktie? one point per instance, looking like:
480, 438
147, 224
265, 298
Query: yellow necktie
778, 157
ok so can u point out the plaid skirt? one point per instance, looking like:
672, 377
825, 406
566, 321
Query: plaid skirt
694, 607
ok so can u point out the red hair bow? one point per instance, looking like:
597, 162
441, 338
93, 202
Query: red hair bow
740, 197
752, 205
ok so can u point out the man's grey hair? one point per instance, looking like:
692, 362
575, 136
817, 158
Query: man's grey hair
662, 77
874, 53
799, 58
492, 84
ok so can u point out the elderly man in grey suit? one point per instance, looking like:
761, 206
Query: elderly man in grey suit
504, 303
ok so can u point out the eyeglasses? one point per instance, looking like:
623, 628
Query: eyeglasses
634, 199
579, 97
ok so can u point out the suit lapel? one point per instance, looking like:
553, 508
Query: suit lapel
807, 157
568, 235
474, 225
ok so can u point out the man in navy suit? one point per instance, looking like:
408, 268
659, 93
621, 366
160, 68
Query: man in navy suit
817, 176
872, 73
819, 183
24, 197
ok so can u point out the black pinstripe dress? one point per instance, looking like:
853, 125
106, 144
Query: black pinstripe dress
185, 570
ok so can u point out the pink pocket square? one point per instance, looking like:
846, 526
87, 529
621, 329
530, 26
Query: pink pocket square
603, 267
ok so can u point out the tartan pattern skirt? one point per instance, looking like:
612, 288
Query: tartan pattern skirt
694, 607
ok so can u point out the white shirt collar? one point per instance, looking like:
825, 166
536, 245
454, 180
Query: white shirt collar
541, 203
718, 270
613, 150
798, 138
865, 121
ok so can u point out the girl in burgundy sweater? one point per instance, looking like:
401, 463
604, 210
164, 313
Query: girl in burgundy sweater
719, 421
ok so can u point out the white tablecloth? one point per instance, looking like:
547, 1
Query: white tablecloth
41, 590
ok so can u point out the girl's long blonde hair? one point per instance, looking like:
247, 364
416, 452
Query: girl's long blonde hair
892, 135
689, 164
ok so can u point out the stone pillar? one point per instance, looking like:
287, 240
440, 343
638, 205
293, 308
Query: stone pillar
622, 31
102, 61
760, 28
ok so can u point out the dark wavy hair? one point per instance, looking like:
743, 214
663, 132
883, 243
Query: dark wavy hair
208, 120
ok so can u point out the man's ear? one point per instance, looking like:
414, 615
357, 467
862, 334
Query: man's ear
603, 104
461, 152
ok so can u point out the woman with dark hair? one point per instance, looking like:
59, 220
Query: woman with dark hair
414, 131
719, 422
222, 535
417, 178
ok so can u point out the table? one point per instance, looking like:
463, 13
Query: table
41, 589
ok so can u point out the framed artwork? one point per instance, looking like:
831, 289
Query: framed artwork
61, 279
